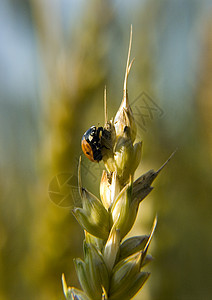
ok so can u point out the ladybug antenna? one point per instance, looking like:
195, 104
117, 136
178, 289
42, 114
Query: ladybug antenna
128, 67
105, 103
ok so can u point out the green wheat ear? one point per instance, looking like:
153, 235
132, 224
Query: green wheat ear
113, 266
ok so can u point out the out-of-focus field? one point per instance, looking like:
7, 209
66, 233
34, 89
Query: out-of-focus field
55, 59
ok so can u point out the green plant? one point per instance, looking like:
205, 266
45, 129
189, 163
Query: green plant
113, 267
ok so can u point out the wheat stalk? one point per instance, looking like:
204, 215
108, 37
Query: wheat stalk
113, 266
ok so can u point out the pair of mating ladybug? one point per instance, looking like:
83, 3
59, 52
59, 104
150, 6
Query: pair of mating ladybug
92, 143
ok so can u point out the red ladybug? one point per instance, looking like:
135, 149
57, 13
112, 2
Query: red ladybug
91, 143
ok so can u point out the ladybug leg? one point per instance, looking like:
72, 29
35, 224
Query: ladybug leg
100, 129
106, 139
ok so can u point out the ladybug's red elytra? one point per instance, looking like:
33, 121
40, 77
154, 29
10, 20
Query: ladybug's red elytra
91, 143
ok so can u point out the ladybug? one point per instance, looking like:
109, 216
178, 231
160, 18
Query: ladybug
91, 143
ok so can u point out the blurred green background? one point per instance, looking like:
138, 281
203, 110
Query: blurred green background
55, 58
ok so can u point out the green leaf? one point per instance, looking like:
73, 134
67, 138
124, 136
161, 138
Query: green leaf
85, 280
127, 279
131, 246
128, 291
142, 186
124, 211
97, 269
124, 272
92, 272
93, 217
